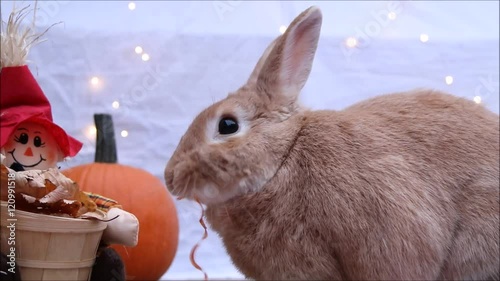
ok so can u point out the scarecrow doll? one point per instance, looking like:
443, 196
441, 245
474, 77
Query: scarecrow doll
31, 141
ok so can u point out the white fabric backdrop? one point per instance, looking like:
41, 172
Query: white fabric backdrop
199, 51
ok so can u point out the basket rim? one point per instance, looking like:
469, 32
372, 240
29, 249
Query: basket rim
42, 216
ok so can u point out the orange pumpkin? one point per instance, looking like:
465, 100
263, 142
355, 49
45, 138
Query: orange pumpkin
141, 194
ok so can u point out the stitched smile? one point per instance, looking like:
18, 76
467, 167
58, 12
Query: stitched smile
27, 166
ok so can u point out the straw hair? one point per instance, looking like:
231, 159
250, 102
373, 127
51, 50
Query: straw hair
16, 39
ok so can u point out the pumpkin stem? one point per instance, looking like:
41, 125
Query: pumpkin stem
105, 151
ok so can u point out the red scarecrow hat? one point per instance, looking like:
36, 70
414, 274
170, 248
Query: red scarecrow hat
22, 99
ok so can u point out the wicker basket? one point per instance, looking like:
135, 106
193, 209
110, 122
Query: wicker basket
51, 247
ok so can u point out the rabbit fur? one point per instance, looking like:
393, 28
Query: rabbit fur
403, 186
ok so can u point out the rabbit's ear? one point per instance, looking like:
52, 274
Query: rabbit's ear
289, 63
258, 67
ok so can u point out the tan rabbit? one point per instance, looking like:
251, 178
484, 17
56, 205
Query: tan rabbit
398, 187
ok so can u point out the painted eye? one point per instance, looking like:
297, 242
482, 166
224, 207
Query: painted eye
228, 125
37, 141
23, 138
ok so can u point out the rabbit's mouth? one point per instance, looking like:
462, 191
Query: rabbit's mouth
191, 186
210, 194
188, 184
207, 193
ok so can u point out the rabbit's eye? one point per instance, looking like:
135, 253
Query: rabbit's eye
228, 125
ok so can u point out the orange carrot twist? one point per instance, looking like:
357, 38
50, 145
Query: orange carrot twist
205, 235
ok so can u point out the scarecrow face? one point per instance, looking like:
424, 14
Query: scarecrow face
32, 148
